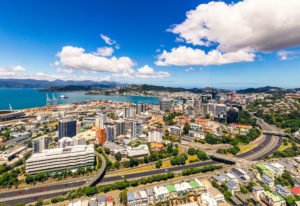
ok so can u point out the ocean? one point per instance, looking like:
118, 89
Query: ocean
28, 98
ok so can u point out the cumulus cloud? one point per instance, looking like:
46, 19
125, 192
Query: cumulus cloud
184, 56
287, 55
107, 40
125, 75
12, 69
75, 58
259, 25
61, 70
193, 69
104, 51
147, 72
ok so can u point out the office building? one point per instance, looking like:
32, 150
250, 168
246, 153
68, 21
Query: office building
110, 131
139, 151
66, 129
165, 105
40, 144
101, 120
120, 128
128, 112
101, 136
140, 108
136, 129
232, 115
155, 135
71, 157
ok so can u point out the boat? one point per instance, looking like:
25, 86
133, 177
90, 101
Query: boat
63, 97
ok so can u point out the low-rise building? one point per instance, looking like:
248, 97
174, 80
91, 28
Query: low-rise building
70, 157
283, 191
273, 199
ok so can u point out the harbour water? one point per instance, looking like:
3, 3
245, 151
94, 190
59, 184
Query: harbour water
28, 98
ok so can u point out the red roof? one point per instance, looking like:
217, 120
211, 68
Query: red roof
295, 190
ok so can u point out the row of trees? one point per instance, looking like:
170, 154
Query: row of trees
121, 185
233, 150
59, 175
204, 169
227, 139
200, 154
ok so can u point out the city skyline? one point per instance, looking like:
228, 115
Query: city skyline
227, 44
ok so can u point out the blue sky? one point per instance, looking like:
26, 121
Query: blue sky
59, 40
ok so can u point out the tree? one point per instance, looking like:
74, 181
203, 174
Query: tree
107, 150
158, 164
117, 164
202, 155
191, 151
146, 159
118, 156
186, 129
123, 197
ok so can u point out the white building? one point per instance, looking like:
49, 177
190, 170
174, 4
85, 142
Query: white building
139, 151
70, 157
155, 135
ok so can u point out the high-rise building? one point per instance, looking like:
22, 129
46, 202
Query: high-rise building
136, 129
232, 115
165, 105
101, 120
66, 129
155, 135
40, 144
120, 128
110, 132
100, 134
128, 112
140, 108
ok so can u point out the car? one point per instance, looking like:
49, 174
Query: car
252, 152
66, 185
35, 198
19, 192
40, 191
44, 188
123, 176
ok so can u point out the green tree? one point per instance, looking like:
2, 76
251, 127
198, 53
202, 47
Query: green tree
158, 164
118, 156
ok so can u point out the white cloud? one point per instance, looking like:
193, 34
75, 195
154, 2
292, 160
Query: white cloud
125, 75
11, 69
158, 50
107, 40
185, 56
104, 51
56, 63
60, 70
287, 55
259, 25
117, 46
75, 58
193, 69
147, 72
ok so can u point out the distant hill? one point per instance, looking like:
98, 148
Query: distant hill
267, 89
147, 87
32, 83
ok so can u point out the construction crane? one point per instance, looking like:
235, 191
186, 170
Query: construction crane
10, 108
54, 100
48, 100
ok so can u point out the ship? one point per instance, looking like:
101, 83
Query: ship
63, 96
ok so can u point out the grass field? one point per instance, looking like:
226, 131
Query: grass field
246, 148
283, 147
